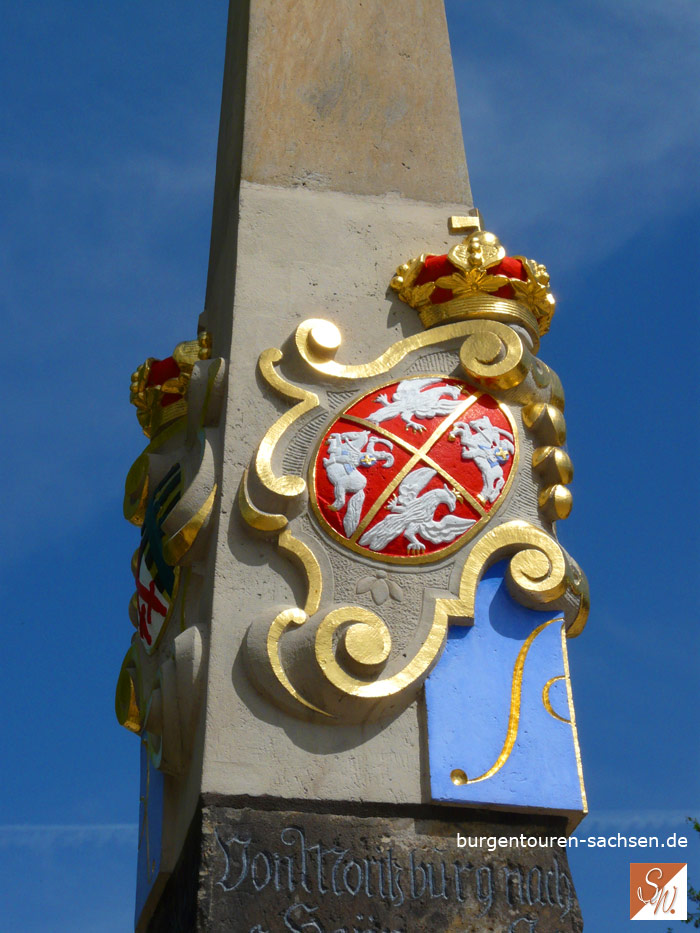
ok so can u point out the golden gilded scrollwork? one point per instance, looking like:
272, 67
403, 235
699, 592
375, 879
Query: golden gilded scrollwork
253, 516
288, 486
128, 692
540, 574
352, 644
492, 354
282, 623
347, 648
458, 775
547, 701
177, 546
366, 645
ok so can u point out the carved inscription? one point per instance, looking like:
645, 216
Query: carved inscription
302, 880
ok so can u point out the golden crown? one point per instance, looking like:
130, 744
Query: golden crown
159, 387
477, 279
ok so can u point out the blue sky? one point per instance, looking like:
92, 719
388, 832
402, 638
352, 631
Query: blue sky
580, 123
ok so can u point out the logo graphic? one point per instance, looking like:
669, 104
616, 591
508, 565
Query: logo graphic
658, 891
409, 474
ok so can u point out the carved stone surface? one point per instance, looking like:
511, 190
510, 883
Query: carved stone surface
363, 95
277, 871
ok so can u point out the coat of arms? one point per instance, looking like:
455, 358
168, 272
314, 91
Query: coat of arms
394, 484
405, 475
169, 494
156, 580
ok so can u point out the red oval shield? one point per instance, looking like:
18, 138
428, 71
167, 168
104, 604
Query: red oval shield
409, 472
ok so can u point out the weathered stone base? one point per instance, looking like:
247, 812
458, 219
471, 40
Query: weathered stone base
251, 870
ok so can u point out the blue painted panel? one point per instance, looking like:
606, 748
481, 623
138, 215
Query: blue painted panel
150, 829
473, 702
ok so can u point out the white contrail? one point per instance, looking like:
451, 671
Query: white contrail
37, 835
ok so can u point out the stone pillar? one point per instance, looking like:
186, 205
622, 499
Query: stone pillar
349, 673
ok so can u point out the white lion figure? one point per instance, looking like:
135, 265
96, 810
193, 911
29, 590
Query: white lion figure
489, 447
346, 455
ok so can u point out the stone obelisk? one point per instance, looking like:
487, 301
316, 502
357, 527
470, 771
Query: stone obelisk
349, 672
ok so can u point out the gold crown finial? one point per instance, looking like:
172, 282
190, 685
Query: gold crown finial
477, 279
158, 387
